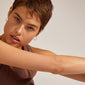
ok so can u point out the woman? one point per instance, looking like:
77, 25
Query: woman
26, 19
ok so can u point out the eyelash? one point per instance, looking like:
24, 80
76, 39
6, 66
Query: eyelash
17, 19
30, 28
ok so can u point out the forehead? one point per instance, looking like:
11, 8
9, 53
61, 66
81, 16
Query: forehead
26, 13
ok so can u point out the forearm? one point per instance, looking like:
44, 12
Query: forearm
72, 67
58, 64
15, 57
71, 64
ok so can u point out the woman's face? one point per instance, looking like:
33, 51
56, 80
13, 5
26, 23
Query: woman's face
21, 27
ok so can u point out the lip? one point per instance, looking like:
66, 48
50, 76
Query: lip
14, 39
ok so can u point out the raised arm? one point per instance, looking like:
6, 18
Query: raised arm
12, 56
79, 77
41, 61
67, 64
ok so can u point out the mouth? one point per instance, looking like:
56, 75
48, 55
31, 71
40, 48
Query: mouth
15, 39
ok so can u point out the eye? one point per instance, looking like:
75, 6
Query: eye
17, 19
30, 28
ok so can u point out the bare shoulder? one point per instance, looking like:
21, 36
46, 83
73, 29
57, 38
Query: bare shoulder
42, 51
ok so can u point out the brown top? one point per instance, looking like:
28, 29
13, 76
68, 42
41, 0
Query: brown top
16, 76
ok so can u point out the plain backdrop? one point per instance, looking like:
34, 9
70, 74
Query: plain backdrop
64, 35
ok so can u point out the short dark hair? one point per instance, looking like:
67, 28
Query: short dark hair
42, 7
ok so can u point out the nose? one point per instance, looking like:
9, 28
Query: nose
19, 29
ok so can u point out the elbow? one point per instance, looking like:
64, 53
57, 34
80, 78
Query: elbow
57, 70
57, 67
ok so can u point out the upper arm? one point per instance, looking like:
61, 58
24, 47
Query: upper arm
42, 51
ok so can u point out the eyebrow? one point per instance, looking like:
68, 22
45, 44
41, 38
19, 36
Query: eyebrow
33, 26
18, 15
28, 24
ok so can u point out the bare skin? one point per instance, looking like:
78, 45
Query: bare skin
20, 27
44, 61
80, 77
19, 30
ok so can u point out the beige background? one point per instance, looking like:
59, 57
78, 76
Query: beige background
64, 34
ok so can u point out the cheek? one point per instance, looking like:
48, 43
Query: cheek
7, 27
27, 39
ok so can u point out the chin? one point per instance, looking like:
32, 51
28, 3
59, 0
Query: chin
14, 45
17, 46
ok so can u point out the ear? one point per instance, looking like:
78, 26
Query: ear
10, 10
